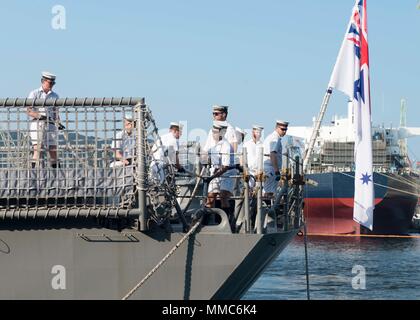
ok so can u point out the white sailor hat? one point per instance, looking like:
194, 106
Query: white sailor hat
239, 130
257, 127
220, 108
48, 75
282, 123
128, 117
220, 125
175, 124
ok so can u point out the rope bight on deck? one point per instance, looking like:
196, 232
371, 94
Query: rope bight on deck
86, 180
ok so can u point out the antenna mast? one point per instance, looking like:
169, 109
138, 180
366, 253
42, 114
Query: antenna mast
403, 123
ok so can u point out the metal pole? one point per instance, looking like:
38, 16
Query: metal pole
246, 190
315, 130
297, 194
141, 162
197, 159
285, 192
305, 240
40, 143
258, 221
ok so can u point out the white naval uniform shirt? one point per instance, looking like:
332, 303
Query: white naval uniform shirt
252, 155
125, 143
49, 112
169, 147
238, 154
272, 144
220, 154
230, 137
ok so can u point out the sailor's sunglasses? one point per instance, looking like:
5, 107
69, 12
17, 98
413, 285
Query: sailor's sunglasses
217, 113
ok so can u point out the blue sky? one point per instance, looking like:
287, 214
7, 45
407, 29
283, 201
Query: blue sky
266, 59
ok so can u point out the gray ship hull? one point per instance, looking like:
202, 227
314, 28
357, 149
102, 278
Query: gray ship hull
90, 262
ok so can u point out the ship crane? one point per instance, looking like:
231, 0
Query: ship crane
405, 132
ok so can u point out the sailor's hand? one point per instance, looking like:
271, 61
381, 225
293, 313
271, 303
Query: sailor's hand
42, 118
239, 168
285, 174
277, 174
61, 127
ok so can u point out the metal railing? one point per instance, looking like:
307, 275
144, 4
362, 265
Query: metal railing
50, 164
98, 157
254, 212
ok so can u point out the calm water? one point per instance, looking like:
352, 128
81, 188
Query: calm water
392, 270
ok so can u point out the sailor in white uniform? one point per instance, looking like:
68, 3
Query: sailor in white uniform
166, 152
240, 137
167, 149
273, 157
124, 144
220, 158
252, 147
45, 120
220, 114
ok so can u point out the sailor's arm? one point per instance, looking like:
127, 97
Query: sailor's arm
29, 111
32, 113
120, 157
116, 146
274, 162
37, 115
220, 171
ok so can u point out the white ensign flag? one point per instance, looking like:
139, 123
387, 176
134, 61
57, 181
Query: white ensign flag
351, 76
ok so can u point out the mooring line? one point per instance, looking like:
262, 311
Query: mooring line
386, 187
308, 296
161, 262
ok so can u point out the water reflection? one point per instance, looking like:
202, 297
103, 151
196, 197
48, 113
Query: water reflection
391, 266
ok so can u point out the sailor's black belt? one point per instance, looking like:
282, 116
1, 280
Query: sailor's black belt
45, 120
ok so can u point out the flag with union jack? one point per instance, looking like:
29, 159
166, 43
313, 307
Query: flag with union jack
351, 76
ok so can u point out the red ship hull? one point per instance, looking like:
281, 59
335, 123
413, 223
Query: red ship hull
329, 204
331, 216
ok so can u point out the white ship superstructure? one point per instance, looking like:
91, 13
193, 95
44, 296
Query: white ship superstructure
334, 147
